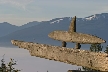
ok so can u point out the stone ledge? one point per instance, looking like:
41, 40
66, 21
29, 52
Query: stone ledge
98, 61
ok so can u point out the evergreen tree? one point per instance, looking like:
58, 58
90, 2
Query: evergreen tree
8, 68
106, 51
96, 47
93, 48
3, 66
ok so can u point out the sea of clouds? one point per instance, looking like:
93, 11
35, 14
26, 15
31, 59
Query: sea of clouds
28, 63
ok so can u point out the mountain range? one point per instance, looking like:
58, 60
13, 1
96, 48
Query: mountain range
96, 24
7, 28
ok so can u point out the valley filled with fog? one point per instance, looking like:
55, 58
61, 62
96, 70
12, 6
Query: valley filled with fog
28, 63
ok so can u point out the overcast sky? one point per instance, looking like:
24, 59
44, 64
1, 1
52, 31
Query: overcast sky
31, 63
20, 12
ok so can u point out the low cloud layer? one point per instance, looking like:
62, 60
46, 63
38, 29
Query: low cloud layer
31, 63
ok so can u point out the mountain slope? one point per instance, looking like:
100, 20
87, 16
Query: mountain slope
7, 28
94, 24
30, 24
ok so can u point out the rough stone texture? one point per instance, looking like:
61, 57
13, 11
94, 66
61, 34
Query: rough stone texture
75, 37
77, 46
72, 27
98, 61
83, 71
64, 44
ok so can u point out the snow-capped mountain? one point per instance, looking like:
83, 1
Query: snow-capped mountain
91, 17
95, 24
56, 21
97, 16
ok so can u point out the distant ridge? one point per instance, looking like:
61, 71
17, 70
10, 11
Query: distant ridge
7, 28
96, 24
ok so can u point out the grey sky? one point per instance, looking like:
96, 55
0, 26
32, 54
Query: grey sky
19, 12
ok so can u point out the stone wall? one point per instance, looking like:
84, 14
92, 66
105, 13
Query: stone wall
98, 61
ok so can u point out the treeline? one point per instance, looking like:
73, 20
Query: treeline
8, 67
94, 48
